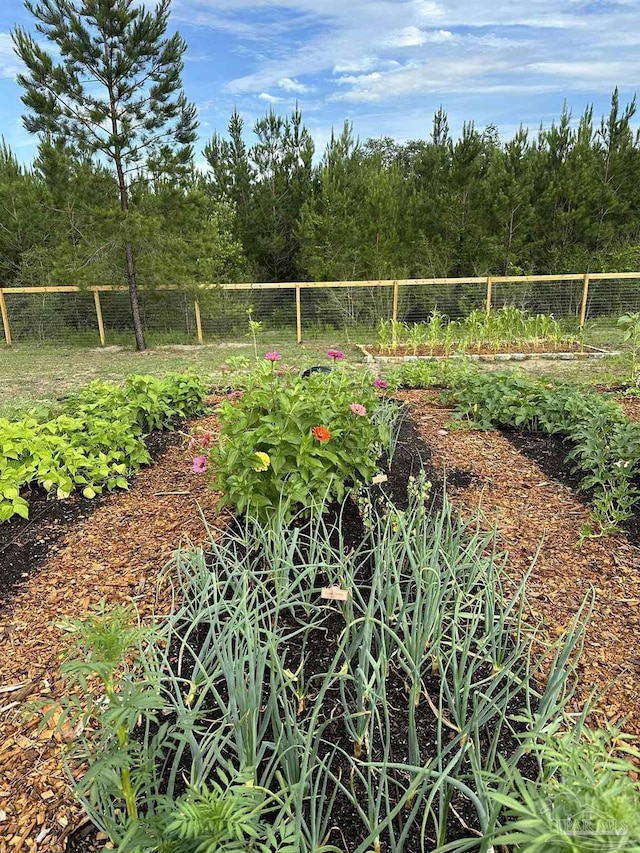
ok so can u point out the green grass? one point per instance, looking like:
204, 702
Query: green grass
34, 375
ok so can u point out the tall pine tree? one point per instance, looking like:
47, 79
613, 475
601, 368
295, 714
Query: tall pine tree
115, 93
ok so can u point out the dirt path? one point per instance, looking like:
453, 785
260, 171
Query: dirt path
114, 554
527, 509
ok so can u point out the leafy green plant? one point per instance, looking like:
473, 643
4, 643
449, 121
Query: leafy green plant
586, 800
255, 327
289, 442
95, 441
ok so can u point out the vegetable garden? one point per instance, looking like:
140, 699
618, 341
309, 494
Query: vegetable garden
325, 609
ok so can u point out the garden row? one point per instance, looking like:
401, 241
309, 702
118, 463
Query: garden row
480, 331
93, 441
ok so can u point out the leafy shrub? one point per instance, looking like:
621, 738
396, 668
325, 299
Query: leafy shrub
95, 442
605, 445
290, 442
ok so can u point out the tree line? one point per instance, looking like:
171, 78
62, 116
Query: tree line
113, 195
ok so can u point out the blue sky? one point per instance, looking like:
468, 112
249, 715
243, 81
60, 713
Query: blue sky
385, 64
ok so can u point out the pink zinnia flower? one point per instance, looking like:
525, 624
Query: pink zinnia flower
380, 383
273, 356
200, 465
358, 409
234, 395
335, 354
206, 439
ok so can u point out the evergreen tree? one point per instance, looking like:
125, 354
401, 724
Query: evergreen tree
115, 94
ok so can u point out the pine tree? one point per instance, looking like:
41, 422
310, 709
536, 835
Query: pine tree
115, 94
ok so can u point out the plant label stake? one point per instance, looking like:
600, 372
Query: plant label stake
334, 593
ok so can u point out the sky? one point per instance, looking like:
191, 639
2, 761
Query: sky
386, 65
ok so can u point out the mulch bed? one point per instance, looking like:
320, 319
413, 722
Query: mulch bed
114, 551
532, 511
25, 543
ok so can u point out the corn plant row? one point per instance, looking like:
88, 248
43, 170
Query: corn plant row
506, 327
94, 441
258, 714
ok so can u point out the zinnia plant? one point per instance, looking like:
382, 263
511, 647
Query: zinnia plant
291, 443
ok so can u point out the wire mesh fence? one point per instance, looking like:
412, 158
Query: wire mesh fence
349, 310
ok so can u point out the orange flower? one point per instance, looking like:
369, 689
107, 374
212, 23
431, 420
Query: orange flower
321, 433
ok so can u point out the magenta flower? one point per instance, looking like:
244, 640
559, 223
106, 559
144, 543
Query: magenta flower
273, 356
234, 395
358, 409
380, 383
200, 465
335, 354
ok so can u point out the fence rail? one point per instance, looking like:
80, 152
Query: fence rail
198, 309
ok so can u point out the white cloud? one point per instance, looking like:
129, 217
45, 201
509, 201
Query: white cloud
290, 85
415, 37
10, 65
270, 99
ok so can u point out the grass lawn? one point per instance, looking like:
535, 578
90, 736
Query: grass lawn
33, 375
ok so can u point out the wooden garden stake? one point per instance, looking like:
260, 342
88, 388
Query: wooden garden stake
489, 294
334, 593
298, 316
394, 317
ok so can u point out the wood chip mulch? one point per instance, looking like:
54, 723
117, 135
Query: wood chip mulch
530, 512
115, 554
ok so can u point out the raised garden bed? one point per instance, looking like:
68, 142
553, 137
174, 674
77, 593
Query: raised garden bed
520, 352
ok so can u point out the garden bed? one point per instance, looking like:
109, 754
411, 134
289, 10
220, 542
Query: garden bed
520, 352
529, 497
109, 549
118, 549
25, 543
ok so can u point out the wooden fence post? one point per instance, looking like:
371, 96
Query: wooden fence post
5, 318
298, 316
489, 294
96, 299
394, 316
196, 306
585, 296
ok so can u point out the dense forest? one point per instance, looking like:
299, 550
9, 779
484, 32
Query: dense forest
566, 199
